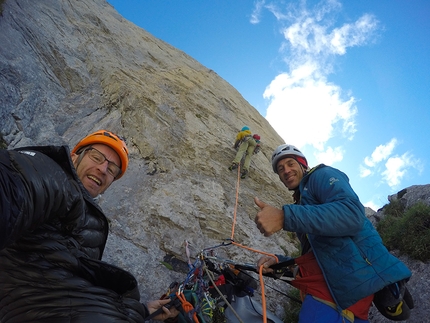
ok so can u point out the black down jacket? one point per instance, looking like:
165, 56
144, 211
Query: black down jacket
52, 237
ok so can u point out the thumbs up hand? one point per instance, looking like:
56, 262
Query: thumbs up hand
269, 219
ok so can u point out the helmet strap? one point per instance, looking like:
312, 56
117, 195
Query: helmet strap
296, 191
81, 153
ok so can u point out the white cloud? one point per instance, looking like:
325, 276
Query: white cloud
350, 35
330, 155
255, 16
372, 205
304, 107
396, 169
364, 172
382, 152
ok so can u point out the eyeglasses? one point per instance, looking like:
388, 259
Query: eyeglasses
97, 157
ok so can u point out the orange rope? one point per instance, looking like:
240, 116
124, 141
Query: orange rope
237, 199
255, 250
263, 297
187, 306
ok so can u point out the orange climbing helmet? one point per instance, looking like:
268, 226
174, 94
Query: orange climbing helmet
109, 139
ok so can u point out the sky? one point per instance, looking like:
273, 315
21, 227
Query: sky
346, 82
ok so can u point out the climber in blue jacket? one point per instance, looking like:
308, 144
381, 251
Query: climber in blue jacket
344, 262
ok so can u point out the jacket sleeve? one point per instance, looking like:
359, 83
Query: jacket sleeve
329, 207
34, 189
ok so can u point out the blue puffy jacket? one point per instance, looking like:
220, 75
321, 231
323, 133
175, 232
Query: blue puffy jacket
349, 250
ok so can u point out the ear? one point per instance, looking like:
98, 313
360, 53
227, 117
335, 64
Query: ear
73, 156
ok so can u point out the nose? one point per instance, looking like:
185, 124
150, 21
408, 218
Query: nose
103, 167
285, 170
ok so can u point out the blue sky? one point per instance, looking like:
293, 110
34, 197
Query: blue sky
348, 82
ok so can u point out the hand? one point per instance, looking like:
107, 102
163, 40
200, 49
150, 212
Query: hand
168, 313
270, 219
266, 262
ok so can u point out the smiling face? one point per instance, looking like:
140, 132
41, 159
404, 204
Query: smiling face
95, 177
290, 172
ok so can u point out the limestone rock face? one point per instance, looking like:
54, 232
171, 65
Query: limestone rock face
412, 195
71, 67
68, 68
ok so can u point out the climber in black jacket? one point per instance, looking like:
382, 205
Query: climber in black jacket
53, 233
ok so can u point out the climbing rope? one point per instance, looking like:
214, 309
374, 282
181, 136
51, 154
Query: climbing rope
199, 267
263, 296
236, 201
187, 306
